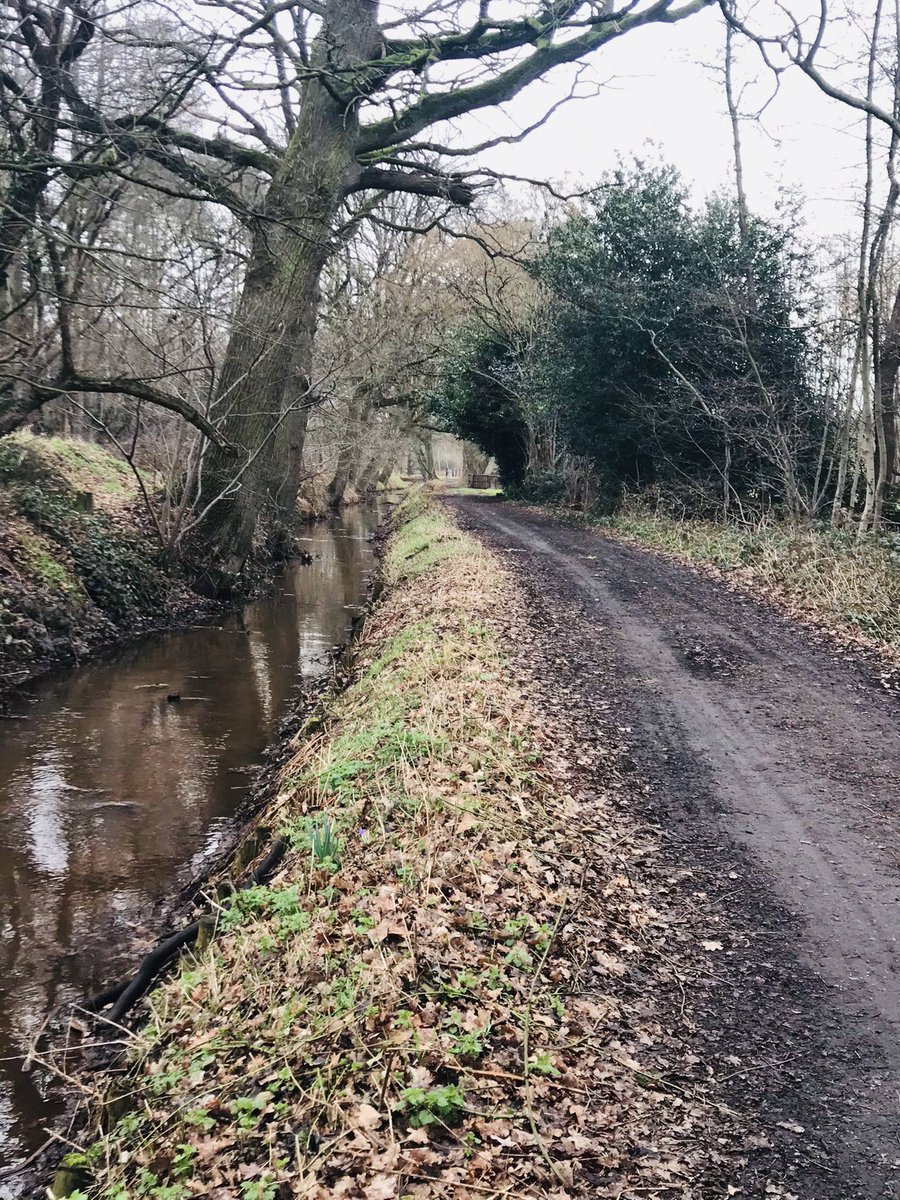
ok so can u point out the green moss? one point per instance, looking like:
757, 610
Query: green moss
88, 467
63, 465
43, 563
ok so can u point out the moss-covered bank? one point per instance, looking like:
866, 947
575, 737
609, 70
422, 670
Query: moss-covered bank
77, 569
421, 1002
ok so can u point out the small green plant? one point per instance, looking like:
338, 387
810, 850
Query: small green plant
362, 921
200, 1062
165, 1081
75, 1160
519, 957
407, 875
183, 1162
467, 1043
516, 926
200, 1119
259, 1189
541, 1065
403, 1019
444, 1105
325, 845
471, 1141
249, 1109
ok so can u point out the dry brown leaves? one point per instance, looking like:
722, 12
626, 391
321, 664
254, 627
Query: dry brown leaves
466, 1002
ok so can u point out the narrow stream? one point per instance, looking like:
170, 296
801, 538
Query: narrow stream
110, 793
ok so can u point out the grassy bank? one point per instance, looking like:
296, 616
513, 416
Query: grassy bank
427, 1000
820, 573
75, 569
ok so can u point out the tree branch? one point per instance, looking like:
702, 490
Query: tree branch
804, 58
444, 187
444, 106
38, 394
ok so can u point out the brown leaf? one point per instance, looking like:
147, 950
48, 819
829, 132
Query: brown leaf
365, 1117
382, 1187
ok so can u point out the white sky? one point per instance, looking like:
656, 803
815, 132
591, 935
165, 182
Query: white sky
661, 87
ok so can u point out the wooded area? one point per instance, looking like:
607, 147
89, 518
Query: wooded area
247, 247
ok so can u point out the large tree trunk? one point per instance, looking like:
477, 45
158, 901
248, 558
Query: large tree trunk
266, 386
349, 452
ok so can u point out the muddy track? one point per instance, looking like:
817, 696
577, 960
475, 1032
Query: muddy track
770, 762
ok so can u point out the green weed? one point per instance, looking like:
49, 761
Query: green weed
445, 1105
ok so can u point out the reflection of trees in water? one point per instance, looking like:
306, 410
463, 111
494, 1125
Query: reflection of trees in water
108, 789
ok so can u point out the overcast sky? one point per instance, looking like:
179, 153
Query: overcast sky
661, 86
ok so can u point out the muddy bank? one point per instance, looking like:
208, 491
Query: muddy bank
79, 567
122, 781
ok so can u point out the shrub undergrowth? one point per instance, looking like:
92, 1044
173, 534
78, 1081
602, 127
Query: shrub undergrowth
823, 572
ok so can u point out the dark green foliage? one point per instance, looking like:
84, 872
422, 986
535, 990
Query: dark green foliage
116, 568
478, 399
672, 353
681, 358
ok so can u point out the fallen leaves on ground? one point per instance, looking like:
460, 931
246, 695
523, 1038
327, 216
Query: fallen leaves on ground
454, 986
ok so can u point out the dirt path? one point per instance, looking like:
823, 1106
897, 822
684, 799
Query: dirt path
772, 767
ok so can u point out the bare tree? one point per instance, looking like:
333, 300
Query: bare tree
299, 120
805, 42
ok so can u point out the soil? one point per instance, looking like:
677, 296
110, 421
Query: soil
765, 760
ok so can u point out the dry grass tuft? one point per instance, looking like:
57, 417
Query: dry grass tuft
822, 573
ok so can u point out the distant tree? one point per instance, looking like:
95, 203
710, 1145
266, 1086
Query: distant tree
478, 399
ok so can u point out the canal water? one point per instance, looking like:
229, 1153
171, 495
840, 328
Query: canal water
110, 793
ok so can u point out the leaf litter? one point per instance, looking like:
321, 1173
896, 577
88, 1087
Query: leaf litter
453, 987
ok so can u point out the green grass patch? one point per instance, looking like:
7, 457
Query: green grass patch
467, 491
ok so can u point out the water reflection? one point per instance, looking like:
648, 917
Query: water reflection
108, 789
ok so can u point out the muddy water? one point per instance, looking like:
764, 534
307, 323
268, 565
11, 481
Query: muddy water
109, 793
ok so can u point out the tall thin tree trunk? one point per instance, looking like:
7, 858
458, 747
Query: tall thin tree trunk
888, 370
865, 297
734, 116
867, 442
348, 453
844, 453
